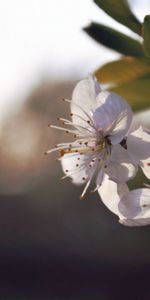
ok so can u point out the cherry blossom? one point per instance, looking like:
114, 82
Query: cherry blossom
138, 145
132, 207
100, 123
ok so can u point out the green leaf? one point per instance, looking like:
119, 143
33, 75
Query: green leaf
146, 35
120, 11
123, 70
114, 40
136, 92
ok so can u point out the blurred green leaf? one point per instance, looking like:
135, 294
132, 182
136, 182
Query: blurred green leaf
136, 92
120, 11
123, 70
146, 35
114, 40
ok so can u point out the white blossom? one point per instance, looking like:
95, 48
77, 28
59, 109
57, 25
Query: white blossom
132, 207
100, 125
138, 145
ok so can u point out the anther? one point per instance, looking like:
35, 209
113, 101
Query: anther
77, 165
75, 136
83, 178
45, 153
66, 171
49, 125
148, 164
67, 131
62, 152
71, 114
86, 143
78, 158
88, 122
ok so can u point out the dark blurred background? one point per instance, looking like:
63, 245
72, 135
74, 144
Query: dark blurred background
52, 245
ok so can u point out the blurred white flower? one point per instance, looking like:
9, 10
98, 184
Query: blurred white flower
101, 121
132, 207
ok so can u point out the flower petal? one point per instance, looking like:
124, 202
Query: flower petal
138, 144
83, 99
119, 154
111, 193
99, 178
135, 208
121, 168
146, 167
78, 167
113, 116
121, 172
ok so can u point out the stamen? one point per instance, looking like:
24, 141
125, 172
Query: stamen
81, 118
88, 117
61, 128
79, 127
51, 150
97, 187
85, 189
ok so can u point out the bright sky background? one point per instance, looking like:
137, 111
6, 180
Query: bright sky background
41, 38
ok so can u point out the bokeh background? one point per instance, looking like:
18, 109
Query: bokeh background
52, 245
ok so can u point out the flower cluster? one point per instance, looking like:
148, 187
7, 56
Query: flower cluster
105, 147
